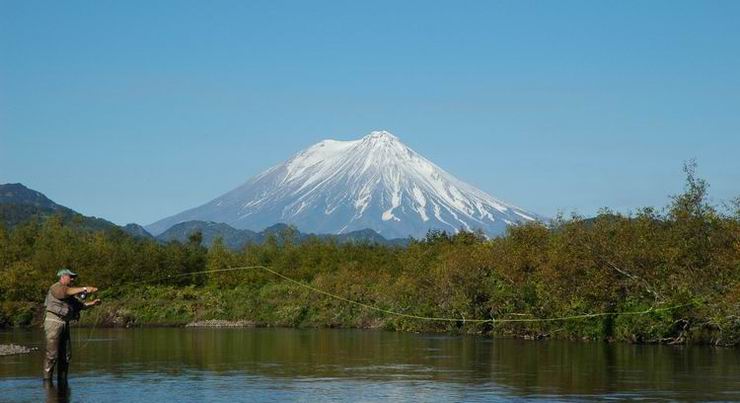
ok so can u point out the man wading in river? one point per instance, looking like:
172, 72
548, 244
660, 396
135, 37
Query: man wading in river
63, 304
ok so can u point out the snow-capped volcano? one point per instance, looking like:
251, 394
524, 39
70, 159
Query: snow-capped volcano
375, 182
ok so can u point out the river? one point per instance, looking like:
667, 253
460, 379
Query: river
230, 365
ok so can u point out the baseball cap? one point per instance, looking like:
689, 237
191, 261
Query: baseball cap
66, 271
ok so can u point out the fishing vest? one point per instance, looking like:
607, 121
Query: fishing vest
62, 308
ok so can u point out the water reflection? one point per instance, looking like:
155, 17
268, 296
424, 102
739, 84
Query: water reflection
394, 362
57, 393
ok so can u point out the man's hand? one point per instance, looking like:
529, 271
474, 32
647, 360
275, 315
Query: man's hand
91, 289
92, 303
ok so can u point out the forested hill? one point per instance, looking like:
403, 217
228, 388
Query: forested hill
19, 204
16, 193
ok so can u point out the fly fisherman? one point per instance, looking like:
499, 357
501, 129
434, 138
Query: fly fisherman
63, 304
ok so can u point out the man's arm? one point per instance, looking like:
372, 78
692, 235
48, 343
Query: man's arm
78, 290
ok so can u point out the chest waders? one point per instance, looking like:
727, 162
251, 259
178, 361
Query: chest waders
59, 312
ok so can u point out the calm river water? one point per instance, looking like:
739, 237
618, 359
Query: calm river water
177, 364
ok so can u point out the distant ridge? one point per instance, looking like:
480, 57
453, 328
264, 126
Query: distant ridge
236, 239
19, 204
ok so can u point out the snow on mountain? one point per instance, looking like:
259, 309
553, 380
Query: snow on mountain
375, 182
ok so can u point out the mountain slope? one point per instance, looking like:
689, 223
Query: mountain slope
136, 231
19, 204
16, 193
340, 186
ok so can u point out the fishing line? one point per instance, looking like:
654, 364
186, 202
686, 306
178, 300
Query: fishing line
447, 319
652, 309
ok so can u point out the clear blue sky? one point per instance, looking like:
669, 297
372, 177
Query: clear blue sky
137, 110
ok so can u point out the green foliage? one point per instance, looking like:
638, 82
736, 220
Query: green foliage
611, 263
